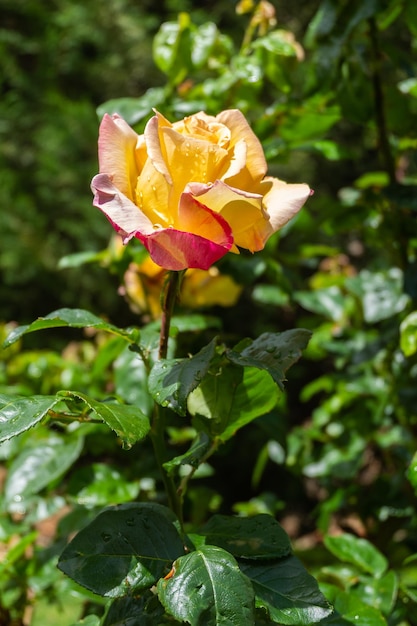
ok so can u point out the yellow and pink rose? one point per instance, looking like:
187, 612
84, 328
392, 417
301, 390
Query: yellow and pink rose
191, 190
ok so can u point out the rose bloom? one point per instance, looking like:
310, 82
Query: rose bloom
143, 283
193, 190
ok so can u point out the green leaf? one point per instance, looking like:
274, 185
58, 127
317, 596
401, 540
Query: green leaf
97, 484
172, 380
172, 48
193, 456
330, 302
131, 380
90, 620
412, 472
128, 422
408, 334
273, 352
203, 41
381, 293
134, 109
360, 552
358, 612
277, 42
124, 549
257, 537
207, 587
37, 466
231, 400
130, 611
287, 591
380, 593
73, 318
18, 414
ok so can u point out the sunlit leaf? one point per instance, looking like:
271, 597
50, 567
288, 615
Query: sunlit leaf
73, 318
171, 381
273, 352
133, 110
408, 334
18, 413
38, 465
207, 587
128, 422
232, 400
358, 551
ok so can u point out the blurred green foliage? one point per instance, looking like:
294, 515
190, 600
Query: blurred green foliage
331, 92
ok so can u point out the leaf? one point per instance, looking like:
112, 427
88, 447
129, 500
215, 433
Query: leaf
172, 380
125, 548
193, 456
360, 552
207, 587
380, 593
134, 109
257, 537
329, 301
273, 352
18, 414
412, 472
231, 400
358, 612
408, 334
73, 318
381, 293
128, 422
36, 467
90, 620
287, 591
130, 611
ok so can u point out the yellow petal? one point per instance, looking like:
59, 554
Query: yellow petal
116, 149
282, 200
242, 211
155, 149
191, 159
256, 166
153, 197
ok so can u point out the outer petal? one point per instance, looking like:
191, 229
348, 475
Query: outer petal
125, 216
256, 165
283, 200
176, 250
242, 210
116, 152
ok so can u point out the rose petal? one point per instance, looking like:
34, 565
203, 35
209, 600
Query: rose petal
125, 216
116, 151
155, 149
175, 250
190, 159
283, 201
242, 211
195, 217
256, 165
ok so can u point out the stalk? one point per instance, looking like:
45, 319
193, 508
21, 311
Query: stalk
157, 433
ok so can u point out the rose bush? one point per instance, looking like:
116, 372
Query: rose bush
193, 190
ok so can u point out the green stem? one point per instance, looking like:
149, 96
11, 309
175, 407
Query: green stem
157, 434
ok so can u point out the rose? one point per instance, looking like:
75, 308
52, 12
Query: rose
143, 282
193, 190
